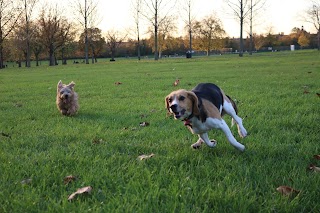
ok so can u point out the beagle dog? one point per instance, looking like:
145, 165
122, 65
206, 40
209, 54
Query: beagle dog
202, 109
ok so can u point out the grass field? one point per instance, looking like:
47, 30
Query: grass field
275, 92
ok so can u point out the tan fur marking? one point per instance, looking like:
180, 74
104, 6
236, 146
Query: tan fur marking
211, 110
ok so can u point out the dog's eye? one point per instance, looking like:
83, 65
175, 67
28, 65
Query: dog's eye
181, 98
170, 100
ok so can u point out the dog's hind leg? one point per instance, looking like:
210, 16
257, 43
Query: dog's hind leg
229, 109
224, 127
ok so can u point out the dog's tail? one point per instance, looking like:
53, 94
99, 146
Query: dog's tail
235, 109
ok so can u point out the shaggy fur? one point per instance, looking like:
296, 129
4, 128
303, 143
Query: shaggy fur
67, 99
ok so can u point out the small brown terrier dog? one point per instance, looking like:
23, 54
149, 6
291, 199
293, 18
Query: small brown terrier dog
67, 99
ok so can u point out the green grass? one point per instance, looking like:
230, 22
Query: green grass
37, 143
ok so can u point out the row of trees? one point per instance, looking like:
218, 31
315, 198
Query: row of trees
53, 36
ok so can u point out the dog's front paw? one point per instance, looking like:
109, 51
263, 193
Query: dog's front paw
64, 112
213, 143
197, 144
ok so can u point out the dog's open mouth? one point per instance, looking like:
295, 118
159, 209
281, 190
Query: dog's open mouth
178, 115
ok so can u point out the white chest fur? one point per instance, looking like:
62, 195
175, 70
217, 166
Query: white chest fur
199, 127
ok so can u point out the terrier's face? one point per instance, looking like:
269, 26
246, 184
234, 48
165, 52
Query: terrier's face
65, 92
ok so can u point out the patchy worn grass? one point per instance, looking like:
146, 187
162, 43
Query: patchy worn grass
275, 92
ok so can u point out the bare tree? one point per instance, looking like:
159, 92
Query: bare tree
156, 11
166, 28
114, 39
87, 15
209, 33
28, 9
36, 44
96, 41
313, 17
10, 13
136, 4
189, 21
55, 31
20, 43
243, 9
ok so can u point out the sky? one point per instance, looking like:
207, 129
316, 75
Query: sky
278, 15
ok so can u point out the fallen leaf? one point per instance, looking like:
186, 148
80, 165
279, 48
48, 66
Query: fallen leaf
69, 179
318, 94
97, 141
26, 181
83, 190
143, 157
176, 82
287, 191
317, 157
313, 168
144, 124
306, 92
118, 83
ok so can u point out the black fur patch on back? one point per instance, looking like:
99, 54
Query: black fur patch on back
210, 92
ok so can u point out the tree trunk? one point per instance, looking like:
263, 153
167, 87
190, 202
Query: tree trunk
241, 29
190, 42
138, 48
156, 55
51, 58
251, 40
37, 59
64, 60
86, 32
28, 64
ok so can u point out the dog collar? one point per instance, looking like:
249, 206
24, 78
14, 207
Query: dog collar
187, 122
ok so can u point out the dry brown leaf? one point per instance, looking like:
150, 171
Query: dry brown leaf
317, 157
118, 83
69, 179
143, 157
313, 168
306, 92
97, 141
83, 190
287, 191
144, 124
176, 82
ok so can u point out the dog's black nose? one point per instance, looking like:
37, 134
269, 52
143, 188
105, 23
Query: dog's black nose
66, 96
174, 107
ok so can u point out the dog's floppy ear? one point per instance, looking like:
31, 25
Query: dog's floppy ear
167, 103
195, 102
